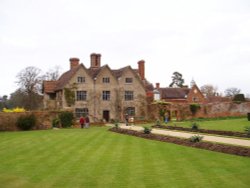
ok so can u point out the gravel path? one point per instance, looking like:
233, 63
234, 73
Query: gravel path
220, 139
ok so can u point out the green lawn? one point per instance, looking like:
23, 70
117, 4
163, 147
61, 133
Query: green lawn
228, 125
96, 157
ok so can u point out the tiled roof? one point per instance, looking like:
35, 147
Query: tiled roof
49, 86
52, 86
174, 93
63, 80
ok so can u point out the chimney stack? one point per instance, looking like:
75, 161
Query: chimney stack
74, 62
157, 85
141, 68
95, 60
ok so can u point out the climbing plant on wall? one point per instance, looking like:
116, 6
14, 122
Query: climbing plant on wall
194, 108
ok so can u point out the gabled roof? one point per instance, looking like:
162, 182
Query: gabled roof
49, 86
174, 93
64, 79
94, 72
53, 86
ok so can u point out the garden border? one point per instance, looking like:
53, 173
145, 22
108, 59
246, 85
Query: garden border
218, 132
228, 149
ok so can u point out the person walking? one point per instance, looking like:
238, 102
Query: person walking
87, 122
81, 121
126, 119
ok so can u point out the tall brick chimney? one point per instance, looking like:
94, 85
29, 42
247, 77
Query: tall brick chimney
95, 60
141, 68
74, 62
157, 85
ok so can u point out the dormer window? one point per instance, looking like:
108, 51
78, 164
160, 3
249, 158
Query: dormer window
128, 80
80, 79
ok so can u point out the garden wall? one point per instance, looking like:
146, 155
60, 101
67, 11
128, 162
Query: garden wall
224, 109
44, 119
210, 110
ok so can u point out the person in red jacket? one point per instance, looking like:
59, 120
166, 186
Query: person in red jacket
82, 121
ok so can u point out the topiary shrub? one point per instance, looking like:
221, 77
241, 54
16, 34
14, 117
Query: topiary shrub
158, 122
147, 130
26, 122
116, 122
195, 126
66, 119
196, 138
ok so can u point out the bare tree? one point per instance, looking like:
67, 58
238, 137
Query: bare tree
30, 82
52, 74
209, 90
231, 92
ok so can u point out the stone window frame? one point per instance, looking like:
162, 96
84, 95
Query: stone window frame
106, 95
130, 111
81, 79
81, 112
106, 80
128, 95
81, 95
128, 80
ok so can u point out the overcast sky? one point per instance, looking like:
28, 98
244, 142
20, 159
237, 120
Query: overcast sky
207, 40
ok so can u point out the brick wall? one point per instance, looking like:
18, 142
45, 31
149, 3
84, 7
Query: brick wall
210, 110
44, 119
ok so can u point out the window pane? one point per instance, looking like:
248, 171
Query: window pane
81, 95
130, 111
129, 95
81, 112
106, 95
105, 80
80, 79
128, 80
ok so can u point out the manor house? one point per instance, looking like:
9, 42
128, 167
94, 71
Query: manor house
99, 91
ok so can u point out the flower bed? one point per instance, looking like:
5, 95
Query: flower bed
229, 149
225, 133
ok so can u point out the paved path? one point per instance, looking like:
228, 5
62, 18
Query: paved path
220, 139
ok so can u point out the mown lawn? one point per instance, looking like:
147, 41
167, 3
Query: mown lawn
238, 124
98, 158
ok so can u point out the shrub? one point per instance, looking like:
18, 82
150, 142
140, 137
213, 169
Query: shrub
116, 122
147, 130
158, 122
194, 108
195, 126
26, 122
239, 98
55, 122
247, 130
196, 138
66, 119
17, 109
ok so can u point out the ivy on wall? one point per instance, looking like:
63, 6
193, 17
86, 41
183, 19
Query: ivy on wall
69, 96
194, 108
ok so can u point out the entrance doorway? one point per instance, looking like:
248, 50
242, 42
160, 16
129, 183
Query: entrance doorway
105, 115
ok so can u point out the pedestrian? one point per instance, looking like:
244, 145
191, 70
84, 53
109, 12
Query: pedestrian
126, 119
82, 120
86, 122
